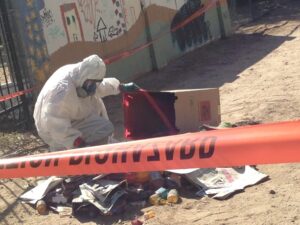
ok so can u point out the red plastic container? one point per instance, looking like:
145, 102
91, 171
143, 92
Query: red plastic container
149, 114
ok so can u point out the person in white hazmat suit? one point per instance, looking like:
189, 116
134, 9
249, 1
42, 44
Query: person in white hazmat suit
69, 111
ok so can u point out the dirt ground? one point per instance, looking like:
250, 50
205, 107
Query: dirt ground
257, 71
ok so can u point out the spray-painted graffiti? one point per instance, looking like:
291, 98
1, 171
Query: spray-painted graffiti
47, 17
120, 15
113, 31
100, 33
89, 10
194, 33
72, 22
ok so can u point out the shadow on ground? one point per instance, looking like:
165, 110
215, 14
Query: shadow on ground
211, 66
215, 64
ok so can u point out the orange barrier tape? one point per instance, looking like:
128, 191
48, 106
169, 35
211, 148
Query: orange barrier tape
15, 94
250, 145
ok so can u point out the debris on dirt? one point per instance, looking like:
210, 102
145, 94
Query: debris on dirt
136, 222
41, 207
107, 195
149, 214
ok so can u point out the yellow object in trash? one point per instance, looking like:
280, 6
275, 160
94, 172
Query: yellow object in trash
149, 214
154, 199
41, 207
142, 177
172, 196
162, 201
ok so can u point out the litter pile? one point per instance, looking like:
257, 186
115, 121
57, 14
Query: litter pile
103, 194
110, 194
90, 196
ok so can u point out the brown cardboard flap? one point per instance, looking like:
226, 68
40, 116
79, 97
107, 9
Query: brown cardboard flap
195, 107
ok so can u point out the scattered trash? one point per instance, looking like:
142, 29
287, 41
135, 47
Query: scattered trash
105, 195
63, 211
140, 177
154, 199
140, 204
138, 194
90, 196
136, 222
41, 207
201, 193
162, 192
110, 194
40, 191
59, 198
272, 192
163, 196
173, 181
222, 182
83, 209
156, 180
172, 196
149, 214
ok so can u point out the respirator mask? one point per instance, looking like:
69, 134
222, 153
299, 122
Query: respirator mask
88, 88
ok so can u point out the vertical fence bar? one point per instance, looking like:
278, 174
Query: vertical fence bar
20, 104
4, 68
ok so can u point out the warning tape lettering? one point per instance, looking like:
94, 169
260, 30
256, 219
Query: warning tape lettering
188, 149
249, 145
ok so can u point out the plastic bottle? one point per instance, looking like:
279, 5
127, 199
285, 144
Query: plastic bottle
163, 193
172, 196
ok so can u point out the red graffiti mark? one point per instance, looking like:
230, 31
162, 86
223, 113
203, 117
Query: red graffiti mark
89, 10
67, 8
204, 111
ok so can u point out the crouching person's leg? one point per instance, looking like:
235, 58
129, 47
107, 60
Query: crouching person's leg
53, 146
95, 130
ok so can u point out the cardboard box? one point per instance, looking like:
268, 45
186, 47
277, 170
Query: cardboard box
194, 107
159, 113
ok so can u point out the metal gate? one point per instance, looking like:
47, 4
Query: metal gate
14, 110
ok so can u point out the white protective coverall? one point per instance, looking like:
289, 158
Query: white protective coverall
61, 116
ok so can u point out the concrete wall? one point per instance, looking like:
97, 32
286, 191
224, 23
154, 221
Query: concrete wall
59, 32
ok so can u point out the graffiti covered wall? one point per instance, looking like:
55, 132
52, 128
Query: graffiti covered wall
86, 21
60, 32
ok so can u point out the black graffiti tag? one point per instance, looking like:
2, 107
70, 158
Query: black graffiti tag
47, 17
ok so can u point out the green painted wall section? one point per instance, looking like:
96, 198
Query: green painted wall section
165, 50
131, 67
154, 57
